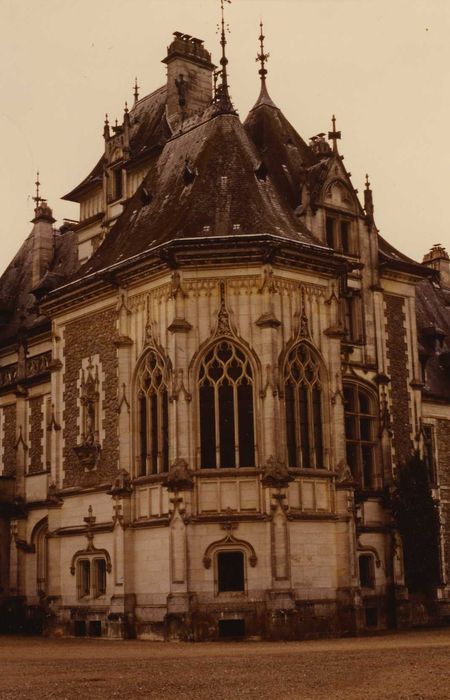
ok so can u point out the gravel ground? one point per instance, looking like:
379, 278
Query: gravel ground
407, 666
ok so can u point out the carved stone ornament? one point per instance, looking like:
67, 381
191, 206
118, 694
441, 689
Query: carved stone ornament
344, 474
122, 483
179, 477
88, 455
276, 474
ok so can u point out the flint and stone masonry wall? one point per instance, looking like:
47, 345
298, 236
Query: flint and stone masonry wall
83, 338
397, 355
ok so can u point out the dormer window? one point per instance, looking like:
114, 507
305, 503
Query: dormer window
339, 234
117, 183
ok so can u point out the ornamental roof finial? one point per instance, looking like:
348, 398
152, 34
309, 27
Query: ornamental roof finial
37, 198
222, 96
334, 135
262, 57
135, 90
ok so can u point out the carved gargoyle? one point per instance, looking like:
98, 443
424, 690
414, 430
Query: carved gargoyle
276, 473
179, 477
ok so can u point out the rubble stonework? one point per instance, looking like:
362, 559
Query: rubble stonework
84, 338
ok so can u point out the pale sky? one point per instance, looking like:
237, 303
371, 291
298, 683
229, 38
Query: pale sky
382, 66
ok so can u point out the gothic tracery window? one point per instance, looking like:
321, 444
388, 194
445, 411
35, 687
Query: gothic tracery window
226, 408
360, 433
303, 405
153, 415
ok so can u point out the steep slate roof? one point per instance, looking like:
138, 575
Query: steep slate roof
18, 308
203, 184
149, 128
284, 153
433, 329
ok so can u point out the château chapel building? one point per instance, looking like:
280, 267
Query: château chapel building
209, 384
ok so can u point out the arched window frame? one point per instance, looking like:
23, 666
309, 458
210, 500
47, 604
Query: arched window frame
298, 454
195, 370
152, 406
39, 538
359, 444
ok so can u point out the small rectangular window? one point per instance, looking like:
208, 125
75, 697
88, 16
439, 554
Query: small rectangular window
345, 237
84, 577
99, 577
117, 175
329, 226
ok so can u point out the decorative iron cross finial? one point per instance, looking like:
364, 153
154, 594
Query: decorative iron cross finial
262, 57
37, 198
334, 135
367, 182
136, 90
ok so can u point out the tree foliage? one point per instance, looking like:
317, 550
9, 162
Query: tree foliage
416, 516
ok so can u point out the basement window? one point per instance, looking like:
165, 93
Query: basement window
230, 570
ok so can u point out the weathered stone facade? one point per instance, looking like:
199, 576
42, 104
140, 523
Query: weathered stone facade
213, 384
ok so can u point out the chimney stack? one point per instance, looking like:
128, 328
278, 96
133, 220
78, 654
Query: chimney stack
189, 77
438, 259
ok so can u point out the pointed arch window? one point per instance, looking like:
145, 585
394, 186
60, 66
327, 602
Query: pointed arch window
227, 434
153, 415
360, 433
303, 403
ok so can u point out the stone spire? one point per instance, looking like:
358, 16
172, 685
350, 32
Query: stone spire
42, 237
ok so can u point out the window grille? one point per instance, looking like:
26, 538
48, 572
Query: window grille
153, 416
360, 434
226, 408
303, 402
